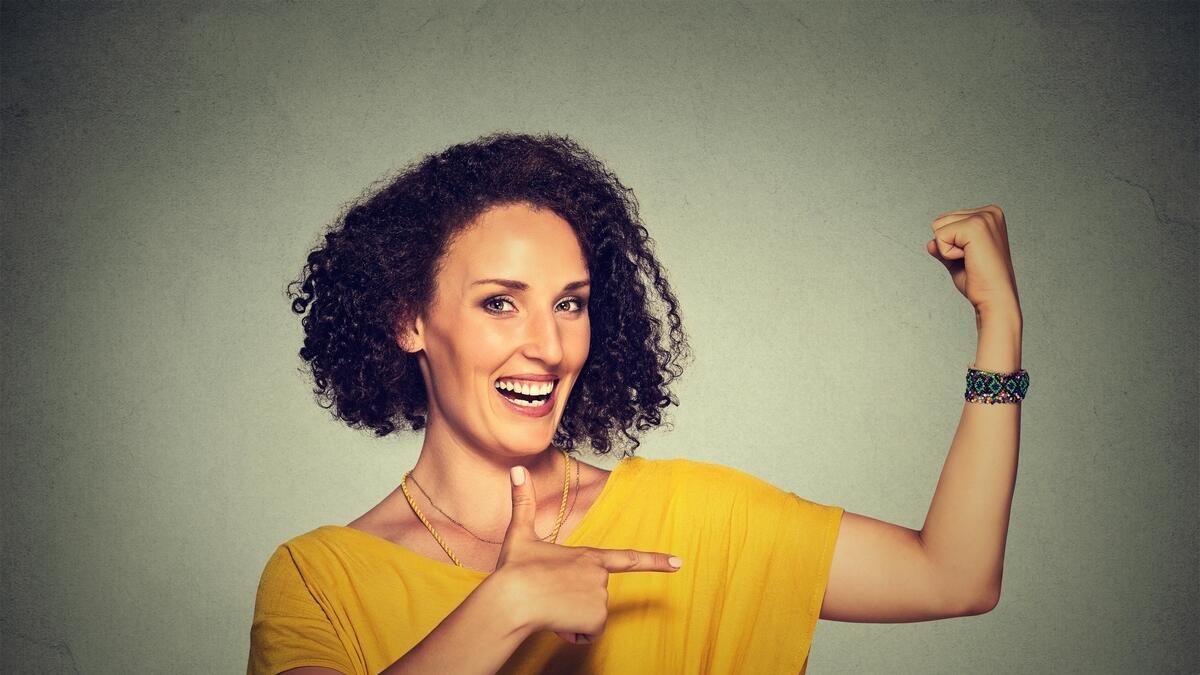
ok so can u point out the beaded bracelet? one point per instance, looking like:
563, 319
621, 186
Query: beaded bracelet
984, 386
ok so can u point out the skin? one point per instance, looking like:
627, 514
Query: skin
473, 440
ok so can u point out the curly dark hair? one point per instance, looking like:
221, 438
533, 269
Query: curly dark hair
376, 270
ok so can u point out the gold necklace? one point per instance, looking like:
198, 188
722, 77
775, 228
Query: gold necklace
449, 517
442, 542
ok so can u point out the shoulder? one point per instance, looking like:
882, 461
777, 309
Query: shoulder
678, 467
325, 561
727, 490
693, 486
695, 474
319, 538
303, 552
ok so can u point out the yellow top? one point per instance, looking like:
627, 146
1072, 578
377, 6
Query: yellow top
756, 561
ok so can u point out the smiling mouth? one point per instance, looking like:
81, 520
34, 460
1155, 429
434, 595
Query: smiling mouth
520, 399
526, 394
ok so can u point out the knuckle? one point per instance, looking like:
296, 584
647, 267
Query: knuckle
597, 621
994, 215
598, 576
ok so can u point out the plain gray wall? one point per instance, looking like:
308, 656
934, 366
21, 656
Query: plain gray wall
167, 166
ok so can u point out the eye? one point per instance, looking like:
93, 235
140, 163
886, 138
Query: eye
579, 304
495, 305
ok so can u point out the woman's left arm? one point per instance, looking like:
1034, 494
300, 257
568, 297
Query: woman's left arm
967, 524
953, 566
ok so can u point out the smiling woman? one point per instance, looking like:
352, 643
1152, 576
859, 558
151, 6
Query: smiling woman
508, 328
502, 297
383, 265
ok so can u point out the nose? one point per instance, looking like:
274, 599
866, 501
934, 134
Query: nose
542, 339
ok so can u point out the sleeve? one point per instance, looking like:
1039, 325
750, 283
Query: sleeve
782, 551
290, 629
808, 543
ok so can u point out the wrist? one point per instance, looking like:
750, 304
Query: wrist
999, 346
504, 601
1008, 313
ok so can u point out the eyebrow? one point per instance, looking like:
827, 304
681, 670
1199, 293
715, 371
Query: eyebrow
522, 286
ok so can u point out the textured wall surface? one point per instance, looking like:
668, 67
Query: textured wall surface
167, 165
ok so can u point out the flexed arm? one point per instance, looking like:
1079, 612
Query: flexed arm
953, 566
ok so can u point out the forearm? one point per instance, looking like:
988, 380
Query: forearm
967, 524
477, 637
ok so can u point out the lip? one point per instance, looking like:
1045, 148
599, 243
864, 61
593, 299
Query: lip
540, 411
531, 377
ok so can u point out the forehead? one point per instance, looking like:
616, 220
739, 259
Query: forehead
515, 241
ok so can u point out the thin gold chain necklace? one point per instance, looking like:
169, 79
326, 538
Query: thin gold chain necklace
570, 510
442, 542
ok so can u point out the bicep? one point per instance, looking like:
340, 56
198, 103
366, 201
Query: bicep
882, 574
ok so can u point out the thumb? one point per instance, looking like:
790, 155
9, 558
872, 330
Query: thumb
523, 506
931, 247
951, 241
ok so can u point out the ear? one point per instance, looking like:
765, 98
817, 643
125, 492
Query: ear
410, 334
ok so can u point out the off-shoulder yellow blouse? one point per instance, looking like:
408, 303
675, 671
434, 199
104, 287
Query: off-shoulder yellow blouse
756, 563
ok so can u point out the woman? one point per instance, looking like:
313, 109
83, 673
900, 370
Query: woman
503, 297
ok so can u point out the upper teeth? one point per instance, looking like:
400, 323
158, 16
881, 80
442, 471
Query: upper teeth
526, 388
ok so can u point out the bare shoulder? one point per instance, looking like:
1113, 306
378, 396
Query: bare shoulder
390, 519
592, 478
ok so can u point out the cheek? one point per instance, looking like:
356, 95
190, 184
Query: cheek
465, 348
582, 343
486, 345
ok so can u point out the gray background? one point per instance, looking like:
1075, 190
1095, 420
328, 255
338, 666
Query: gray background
167, 166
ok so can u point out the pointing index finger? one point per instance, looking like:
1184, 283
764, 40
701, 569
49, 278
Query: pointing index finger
631, 560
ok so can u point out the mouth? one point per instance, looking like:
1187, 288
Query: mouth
532, 398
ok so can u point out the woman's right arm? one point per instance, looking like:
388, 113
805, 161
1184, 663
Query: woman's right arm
536, 586
477, 637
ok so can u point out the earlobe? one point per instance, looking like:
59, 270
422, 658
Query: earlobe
410, 335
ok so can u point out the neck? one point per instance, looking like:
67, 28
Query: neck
473, 486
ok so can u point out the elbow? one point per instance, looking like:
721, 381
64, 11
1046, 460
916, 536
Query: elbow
982, 603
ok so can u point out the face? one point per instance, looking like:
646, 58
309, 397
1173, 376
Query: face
507, 332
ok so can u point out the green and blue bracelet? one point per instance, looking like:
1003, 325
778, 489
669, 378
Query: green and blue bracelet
984, 386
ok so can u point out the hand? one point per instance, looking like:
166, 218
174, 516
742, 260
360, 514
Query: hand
973, 246
561, 588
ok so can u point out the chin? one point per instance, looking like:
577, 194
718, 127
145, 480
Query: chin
527, 444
